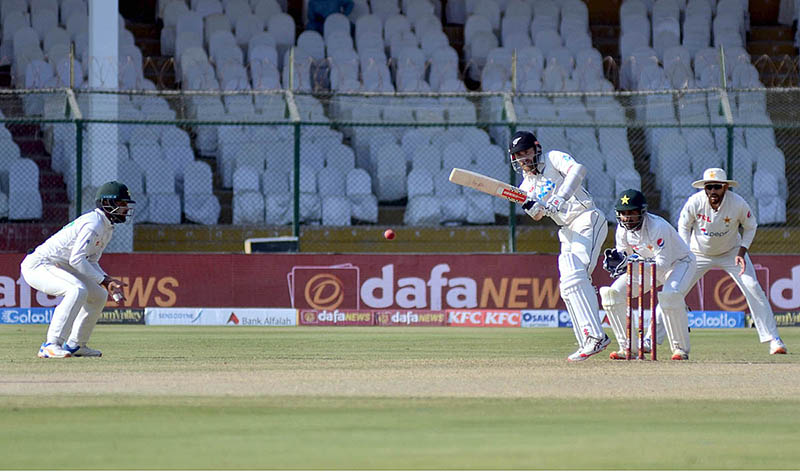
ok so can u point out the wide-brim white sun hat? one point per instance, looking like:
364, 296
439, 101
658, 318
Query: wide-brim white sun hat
714, 174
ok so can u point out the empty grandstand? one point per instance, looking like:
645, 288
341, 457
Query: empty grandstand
230, 115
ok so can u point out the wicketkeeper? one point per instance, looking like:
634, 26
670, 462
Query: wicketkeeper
651, 237
67, 265
554, 185
709, 224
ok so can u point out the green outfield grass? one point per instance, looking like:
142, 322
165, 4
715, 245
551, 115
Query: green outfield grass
393, 398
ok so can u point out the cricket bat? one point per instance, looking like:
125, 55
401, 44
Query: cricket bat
486, 184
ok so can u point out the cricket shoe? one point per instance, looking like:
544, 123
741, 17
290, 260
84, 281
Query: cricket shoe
680, 355
620, 355
592, 347
53, 351
82, 351
617, 355
776, 346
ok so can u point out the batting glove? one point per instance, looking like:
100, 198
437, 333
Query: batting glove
554, 205
532, 206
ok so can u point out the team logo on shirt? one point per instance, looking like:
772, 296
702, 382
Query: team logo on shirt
545, 189
660, 242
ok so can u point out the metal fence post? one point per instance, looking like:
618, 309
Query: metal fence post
294, 116
726, 110
511, 118
79, 167
512, 211
296, 177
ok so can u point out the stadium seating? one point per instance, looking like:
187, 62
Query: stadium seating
387, 45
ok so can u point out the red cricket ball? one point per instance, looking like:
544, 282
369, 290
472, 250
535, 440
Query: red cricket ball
389, 234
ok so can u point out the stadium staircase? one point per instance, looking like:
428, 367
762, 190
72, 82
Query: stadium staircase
24, 235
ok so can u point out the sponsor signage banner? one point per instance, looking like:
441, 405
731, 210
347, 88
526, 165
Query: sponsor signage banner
376, 282
258, 316
564, 321
716, 319
484, 318
410, 318
782, 319
221, 316
26, 315
178, 316
539, 319
121, 316
337, 318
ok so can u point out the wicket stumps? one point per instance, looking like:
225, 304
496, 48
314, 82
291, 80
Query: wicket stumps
629, 306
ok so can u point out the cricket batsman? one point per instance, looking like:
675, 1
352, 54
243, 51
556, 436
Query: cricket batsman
651, 237
709, 223
554, 185
66, 265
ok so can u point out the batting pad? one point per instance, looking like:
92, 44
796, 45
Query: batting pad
613, 304
581, 302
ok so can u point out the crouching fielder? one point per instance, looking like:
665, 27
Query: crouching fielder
651, 237
709, 224
66, 265
553, 181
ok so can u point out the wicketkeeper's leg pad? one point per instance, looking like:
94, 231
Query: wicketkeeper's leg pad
676, 320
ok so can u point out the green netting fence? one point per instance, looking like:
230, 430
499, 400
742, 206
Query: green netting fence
277, 158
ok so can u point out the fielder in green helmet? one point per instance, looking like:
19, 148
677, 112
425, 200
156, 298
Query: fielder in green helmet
630, 209
644, 235
67, 265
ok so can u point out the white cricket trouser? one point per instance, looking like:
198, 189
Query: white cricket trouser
74, 318
670, 308
757, 301
581, 242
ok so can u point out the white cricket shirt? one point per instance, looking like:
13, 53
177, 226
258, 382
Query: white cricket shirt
656, 239
542, 186
78, 244
714, 232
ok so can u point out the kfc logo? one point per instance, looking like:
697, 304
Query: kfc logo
485, 318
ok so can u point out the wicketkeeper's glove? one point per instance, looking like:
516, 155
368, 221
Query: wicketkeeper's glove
614, 262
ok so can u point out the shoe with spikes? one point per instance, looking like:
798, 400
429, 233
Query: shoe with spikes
53, 351
82, 351
590, 348
680, 355
776, 346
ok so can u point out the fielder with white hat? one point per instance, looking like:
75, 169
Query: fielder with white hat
709, 223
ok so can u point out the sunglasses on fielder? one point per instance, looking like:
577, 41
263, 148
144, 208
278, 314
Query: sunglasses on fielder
714, 186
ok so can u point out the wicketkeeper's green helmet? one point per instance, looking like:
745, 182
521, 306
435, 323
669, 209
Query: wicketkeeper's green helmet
628, 200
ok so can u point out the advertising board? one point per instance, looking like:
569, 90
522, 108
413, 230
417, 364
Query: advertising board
375, 282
